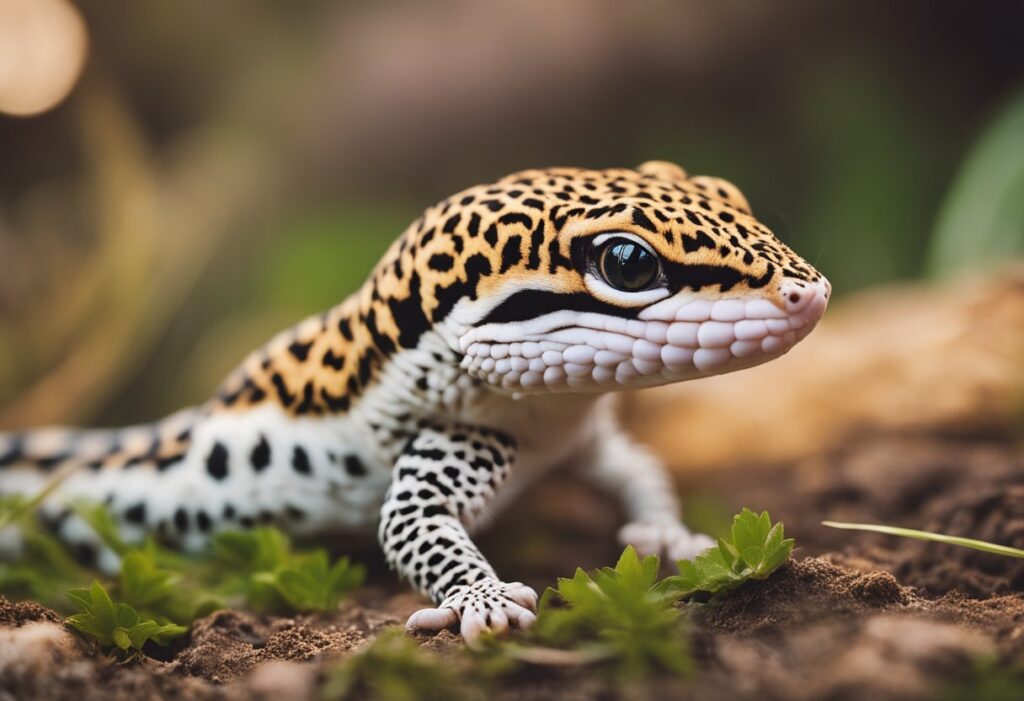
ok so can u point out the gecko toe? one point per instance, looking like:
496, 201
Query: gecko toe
431, 620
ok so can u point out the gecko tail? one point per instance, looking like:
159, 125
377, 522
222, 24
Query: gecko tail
88, 465
37, 454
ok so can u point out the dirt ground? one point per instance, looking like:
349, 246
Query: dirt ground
905, 409
852, 616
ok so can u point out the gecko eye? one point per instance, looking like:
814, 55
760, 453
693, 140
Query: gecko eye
626, 265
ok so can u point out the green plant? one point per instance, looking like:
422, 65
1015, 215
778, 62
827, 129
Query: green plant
117, 626
394, 668
271, 577
619, 615
989, 680
754, 550
44, 569
985, 546
313, 584
978, 223
142, 583
163, 586
103, 524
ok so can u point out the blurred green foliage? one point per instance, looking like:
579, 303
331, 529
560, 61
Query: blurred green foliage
259, 569
990, 680
261, 566
254, 175
981, 222
754, 549
116, 625
395, 668
314, 259
620, 616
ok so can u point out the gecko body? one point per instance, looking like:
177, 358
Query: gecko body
480, 353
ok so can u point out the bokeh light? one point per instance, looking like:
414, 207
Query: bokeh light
43, 48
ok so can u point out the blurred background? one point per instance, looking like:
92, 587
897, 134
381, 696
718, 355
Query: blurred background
181, 180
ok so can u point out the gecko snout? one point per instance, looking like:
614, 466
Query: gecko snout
797, 296
804, 302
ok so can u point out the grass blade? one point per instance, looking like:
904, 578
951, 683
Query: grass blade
1004, 550
30, 505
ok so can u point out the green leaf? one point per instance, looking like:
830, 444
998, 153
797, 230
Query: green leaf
116, 625
102, 523
346, 576
139, 633
982, 545
142, 583
121, 638
311, 585
756, 548
749, 529
80, 598
271, 577
167, 632
86, 623
125, 616
753, 556
979, 223
101, 607
622, 615
394, 667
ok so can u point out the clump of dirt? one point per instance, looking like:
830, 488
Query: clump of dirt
228, 644
973, 489
802, 592
851, 616
995, 514
818, 629
15, 614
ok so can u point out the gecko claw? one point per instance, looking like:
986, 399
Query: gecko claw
486, 606
431, 620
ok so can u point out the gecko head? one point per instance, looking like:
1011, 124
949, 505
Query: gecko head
614, 279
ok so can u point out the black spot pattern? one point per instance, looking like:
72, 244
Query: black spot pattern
421, 521
217, 462
300, 461
260, 456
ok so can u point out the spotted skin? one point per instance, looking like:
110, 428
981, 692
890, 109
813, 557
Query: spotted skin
442, 484
478, 355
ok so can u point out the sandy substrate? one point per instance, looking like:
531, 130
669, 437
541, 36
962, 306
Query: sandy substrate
853, 616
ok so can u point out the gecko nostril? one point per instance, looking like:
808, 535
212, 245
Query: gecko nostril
794, 297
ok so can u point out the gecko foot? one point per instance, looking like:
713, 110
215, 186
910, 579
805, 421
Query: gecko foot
665, 538
485, 605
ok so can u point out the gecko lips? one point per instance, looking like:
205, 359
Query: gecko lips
679, 338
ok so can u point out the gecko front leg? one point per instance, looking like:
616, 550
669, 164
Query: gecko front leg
623, 467
442, 482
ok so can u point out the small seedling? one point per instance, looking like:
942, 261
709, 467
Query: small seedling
103, 524
162, 587
313, 584
117, 627
142, 583
272, 577
982, 545
618, 615
394, 668
754, 550
44, 570
260, 566
989, 680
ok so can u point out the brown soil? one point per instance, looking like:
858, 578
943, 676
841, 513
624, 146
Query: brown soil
852, 616
958, 487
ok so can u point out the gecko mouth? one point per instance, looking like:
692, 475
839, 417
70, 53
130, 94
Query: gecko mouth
677, 339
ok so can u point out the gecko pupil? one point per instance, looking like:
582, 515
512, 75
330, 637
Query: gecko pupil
627, 266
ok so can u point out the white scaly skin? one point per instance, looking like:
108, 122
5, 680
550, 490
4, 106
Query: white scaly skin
385, 415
